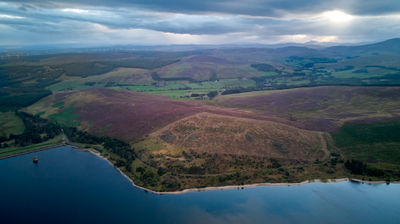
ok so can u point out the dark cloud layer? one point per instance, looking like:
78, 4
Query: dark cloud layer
206, 21
250, 7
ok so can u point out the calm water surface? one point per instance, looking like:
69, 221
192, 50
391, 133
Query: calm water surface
70, 186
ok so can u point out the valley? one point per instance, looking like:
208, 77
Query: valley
192, 119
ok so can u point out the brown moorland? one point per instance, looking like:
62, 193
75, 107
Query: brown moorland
211, 133
128, 115
116, 113
212, 150
255, 137
321, 108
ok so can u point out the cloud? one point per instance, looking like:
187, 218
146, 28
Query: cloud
197, 22
248, 7
5, 16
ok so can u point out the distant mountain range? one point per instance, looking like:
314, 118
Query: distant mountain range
388, 46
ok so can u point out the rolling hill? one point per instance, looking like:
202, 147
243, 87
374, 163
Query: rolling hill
211, 117
220, 134
121, 114
321, 108
391, 46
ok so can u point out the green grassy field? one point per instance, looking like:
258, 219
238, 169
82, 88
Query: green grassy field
353, 74
65, 117
204, 71
72, 85
377, 144
119, 76
183, 89
5, 152
10, 124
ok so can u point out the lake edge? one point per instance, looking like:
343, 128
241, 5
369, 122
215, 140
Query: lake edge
227, 187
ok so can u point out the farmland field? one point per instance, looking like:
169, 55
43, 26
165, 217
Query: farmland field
10, 124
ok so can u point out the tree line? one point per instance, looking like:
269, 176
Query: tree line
361, 168
113, 145
37, 130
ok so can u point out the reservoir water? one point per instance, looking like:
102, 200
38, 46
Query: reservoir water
72, 186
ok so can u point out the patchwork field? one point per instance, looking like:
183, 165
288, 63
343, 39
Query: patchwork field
205, 68
120, 76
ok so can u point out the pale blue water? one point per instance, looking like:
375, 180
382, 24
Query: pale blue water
70, 186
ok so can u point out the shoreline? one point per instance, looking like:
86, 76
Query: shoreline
34, 150
338, 180
96, 153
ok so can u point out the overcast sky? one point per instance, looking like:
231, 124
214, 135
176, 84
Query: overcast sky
161, 22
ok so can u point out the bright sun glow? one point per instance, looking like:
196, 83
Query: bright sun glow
78, 11
337, 16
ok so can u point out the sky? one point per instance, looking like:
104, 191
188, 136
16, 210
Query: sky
167, 22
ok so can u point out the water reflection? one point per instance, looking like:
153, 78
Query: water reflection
69, 186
